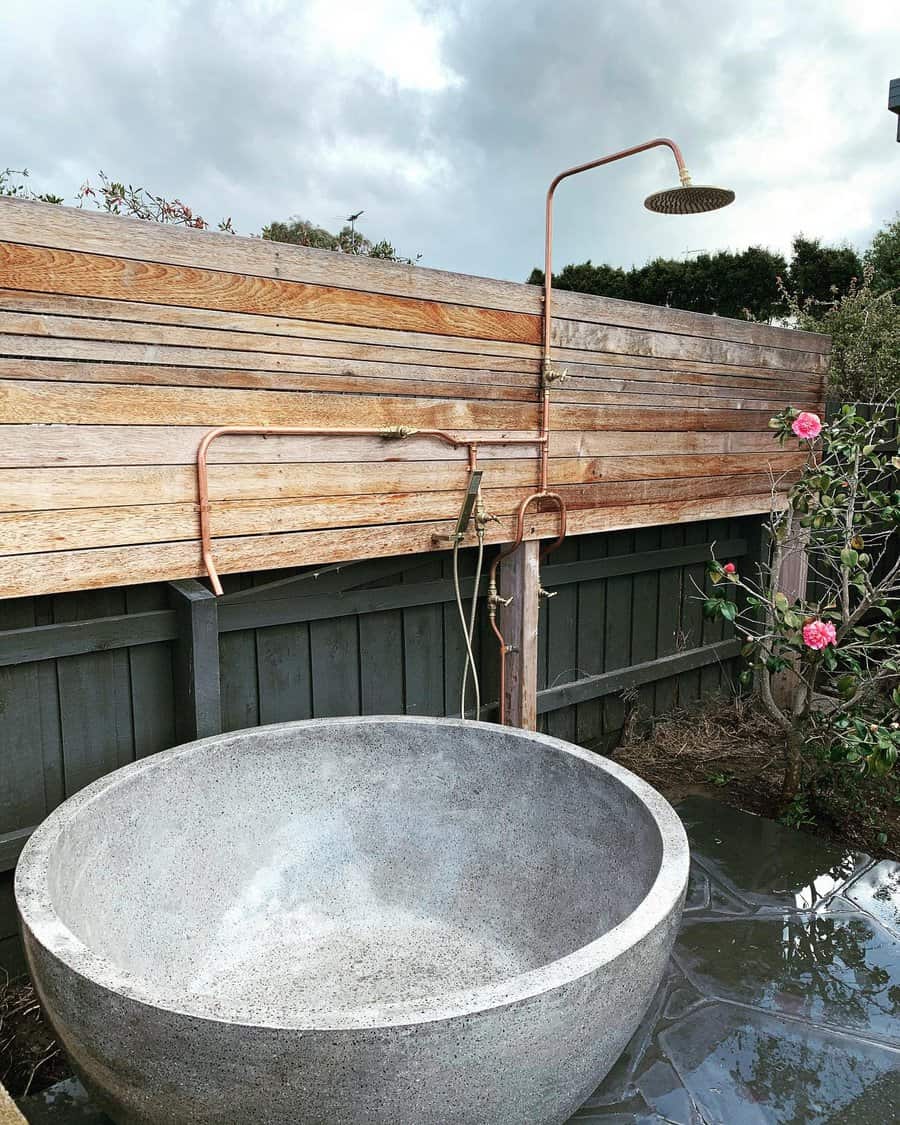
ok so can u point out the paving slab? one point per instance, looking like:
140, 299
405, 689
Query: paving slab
781, 1004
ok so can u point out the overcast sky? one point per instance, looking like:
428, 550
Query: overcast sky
445, 119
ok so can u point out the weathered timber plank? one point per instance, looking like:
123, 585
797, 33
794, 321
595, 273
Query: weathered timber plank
359, 339
48, 444
662, 369
639, 380
128, 335
38, 224
78, 528
36, 401
647, 342
607, 683
586, 307
60, 571
101, 275
80, 403
162, 367
348, 341
91, 362
83, 338
382, 379
133, 485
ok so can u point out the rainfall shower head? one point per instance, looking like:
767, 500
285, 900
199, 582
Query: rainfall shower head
688, 199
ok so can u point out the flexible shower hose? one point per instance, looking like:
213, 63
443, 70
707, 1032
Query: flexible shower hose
468, 628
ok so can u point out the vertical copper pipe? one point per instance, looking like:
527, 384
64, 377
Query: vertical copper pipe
546, 359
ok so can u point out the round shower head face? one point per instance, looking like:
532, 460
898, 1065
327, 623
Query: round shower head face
690, 200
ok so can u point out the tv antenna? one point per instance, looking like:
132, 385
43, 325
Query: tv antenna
351, 219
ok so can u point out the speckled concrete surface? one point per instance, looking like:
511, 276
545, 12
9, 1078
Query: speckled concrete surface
353, 920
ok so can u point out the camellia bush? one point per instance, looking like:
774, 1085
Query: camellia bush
827, 667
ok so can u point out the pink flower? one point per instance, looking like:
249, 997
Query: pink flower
807, 425
817, 634
730, 568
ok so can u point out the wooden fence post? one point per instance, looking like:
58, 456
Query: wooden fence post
794, 574
198, 709
520, 580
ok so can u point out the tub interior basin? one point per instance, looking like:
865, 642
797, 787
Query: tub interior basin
313, 870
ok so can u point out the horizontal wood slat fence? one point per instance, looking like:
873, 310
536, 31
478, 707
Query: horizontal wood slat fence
123, 342
94, 679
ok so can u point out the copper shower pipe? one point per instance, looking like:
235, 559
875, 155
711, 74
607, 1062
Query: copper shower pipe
471, 445
547, 374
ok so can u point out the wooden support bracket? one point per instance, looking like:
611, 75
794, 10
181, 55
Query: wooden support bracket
520, 580
198, 708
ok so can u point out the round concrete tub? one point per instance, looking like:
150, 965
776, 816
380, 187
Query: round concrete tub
348, 921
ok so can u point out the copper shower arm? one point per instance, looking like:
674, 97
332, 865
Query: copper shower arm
548, 228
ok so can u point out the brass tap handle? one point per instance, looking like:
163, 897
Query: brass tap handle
542, 593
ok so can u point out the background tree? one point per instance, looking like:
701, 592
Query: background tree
737, 285
301, 232
883, 256
820, 273
348, 240
602, 280
864, 326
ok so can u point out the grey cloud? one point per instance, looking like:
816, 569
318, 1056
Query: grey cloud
225, 105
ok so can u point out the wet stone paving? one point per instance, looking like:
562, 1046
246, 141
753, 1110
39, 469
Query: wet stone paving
781, 1003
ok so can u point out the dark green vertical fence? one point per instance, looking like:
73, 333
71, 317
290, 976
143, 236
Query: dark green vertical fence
93, 680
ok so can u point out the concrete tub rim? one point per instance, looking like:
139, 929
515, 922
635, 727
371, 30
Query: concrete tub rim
38, 914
